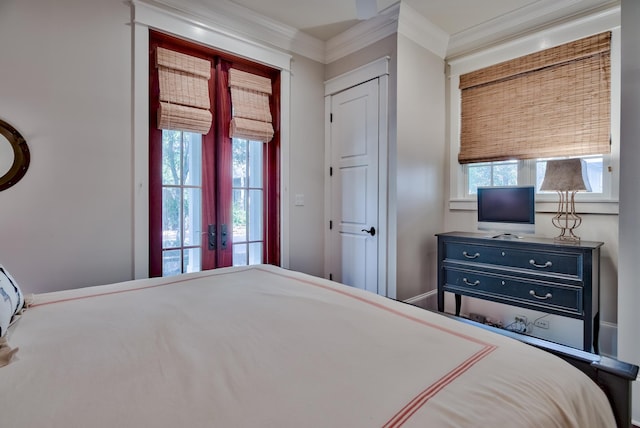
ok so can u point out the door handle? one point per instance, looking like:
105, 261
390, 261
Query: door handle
371, 231
211, 233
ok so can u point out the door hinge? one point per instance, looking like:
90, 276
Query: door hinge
330, 171
331, 117
330, 224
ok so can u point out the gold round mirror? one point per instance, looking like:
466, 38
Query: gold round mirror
14, 156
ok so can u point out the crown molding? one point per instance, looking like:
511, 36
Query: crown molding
233, 19
522, 21
363, 34
422, 31
603, 20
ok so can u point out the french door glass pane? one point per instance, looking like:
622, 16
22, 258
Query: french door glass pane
239, 216
192, 170
181, 202
239, 163
171, 230
255, 215
192, 212
171, 262
255, 163
248, 202
255, 253
191, 260
171, 150
239, 254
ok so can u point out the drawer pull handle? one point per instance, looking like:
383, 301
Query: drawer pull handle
470, 256
477, 281
546, 265
545, 297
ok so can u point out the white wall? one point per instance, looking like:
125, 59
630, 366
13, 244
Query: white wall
629, 269
65, 84
420, 169
306, 225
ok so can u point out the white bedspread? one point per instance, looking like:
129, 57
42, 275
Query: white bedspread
266, 347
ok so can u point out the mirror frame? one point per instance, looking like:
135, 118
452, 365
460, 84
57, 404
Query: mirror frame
21, 156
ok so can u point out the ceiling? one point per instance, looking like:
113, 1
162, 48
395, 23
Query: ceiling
324, 19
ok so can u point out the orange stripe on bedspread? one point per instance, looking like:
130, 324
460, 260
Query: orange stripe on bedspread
417, 402
109, 293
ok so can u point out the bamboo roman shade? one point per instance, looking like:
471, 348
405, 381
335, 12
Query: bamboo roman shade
251, 117
184, 92
550, 103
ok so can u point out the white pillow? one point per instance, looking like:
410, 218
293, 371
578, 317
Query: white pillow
11, 300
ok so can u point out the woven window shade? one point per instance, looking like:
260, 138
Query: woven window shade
551, 103
184, 92
251, 117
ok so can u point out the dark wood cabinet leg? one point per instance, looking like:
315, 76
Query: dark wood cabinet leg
458, 304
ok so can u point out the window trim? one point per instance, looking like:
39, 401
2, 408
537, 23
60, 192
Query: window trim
592, 204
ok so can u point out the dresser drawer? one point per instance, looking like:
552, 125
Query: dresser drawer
541, 261
539, 294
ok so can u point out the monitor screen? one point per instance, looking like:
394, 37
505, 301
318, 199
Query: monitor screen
507, 209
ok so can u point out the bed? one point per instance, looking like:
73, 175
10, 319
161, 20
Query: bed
262, 346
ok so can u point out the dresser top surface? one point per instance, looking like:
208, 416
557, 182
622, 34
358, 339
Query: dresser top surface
524, 239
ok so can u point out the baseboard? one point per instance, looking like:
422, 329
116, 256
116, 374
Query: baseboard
415, 300
608, 339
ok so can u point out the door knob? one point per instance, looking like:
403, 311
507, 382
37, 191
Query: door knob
371, 231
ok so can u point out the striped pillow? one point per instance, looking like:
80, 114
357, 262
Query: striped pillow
11, 300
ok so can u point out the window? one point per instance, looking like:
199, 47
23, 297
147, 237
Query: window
514, 173
212, 198
552, 104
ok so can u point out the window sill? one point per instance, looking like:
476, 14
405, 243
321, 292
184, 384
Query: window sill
608, 207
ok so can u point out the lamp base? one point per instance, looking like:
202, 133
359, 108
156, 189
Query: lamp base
567, 237
566, 218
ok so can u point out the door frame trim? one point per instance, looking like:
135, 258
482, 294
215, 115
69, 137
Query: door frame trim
378, 69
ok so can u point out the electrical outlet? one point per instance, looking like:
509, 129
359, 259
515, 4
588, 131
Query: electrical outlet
542, 324
521, 319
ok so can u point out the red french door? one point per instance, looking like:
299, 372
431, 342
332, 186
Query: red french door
213, 200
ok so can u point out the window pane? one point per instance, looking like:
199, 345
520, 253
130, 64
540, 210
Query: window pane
171, 149
255, 163
479, 176
191, 260
192, 208
171, 237
239, 216
255, 253
492, 174
239, 163
239, 254
171, 263
192, 166
505, 174
595, 168
255, 215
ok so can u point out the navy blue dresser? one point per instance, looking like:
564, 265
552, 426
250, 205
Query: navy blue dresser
534, 273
